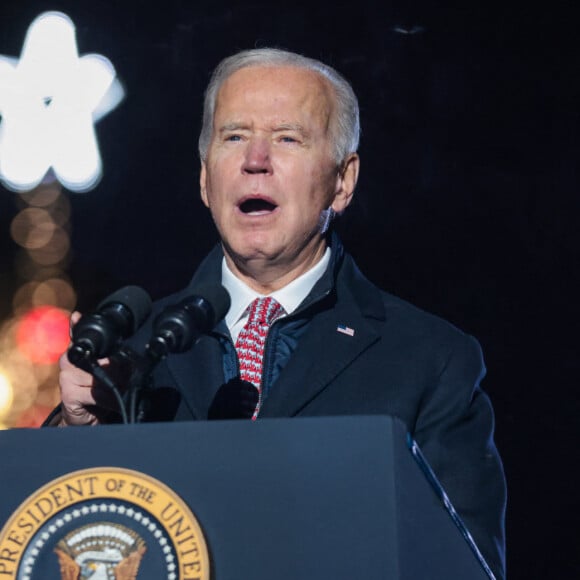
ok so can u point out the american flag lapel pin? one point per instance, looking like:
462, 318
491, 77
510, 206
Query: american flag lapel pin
345, 330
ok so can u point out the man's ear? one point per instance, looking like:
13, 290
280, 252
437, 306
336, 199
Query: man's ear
203, 184
345, 183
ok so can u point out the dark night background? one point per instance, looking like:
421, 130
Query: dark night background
467, 205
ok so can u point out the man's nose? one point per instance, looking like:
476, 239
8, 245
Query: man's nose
257, 158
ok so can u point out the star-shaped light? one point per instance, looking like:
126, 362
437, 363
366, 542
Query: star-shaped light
49, 102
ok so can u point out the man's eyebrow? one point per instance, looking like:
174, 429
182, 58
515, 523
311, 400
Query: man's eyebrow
289, 127
239, 126
232, 127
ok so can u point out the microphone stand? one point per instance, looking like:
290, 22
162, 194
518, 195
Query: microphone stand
135, 398
131, 404
141, 378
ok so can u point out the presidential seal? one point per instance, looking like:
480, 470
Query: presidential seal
104, 524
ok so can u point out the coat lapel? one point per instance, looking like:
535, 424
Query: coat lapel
198, 374
322, 354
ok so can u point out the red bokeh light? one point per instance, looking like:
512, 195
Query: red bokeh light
42, 334
33, 416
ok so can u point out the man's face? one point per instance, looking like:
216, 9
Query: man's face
270, 169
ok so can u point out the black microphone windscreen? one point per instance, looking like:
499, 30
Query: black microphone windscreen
135, 299
218, 297
177, 327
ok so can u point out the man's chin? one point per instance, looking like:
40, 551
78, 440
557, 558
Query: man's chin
256, 256
255, 246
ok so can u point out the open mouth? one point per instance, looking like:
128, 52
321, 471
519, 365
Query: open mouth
257, 206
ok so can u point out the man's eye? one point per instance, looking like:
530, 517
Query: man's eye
234, 138
288, 139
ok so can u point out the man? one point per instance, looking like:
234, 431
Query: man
278, 160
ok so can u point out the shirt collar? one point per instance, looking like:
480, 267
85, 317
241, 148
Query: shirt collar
290, 297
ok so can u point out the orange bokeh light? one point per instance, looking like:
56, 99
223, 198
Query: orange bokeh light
33, 416
42, 334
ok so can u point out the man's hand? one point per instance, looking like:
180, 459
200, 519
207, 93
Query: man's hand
81, 394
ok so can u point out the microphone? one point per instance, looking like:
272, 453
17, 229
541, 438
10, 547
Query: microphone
117, 317
178, 327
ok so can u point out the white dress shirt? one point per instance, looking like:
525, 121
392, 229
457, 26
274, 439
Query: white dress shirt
289, 297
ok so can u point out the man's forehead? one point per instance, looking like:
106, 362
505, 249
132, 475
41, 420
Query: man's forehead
281, 84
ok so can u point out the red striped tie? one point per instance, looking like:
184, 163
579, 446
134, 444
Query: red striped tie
251, 340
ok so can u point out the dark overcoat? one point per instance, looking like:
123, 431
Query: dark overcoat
352, 349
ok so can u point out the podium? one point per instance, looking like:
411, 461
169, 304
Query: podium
334, 498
